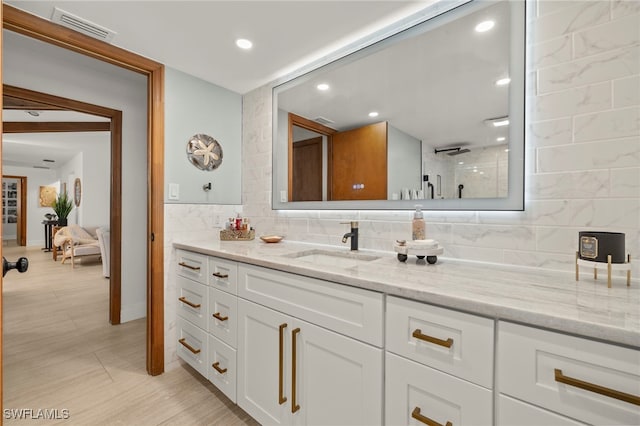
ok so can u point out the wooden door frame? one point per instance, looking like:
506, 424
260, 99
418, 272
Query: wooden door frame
22, 217
115, 214
40, 29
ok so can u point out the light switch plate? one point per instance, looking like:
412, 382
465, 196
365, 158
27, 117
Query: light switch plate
174, 191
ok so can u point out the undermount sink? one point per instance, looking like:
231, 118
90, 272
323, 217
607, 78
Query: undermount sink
341, 259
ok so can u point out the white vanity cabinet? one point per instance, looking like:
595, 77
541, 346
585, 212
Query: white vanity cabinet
207, 317
439, 365
586, 380
291, 371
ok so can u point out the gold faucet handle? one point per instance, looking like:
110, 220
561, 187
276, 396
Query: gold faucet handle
353, 223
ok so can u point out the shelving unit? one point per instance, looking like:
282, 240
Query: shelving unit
9, 208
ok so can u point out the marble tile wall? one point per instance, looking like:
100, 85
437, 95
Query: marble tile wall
582, 140
582, 168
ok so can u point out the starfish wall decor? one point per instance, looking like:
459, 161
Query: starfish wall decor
204, 152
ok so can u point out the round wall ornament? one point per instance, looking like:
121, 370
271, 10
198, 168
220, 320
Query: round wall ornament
204, 152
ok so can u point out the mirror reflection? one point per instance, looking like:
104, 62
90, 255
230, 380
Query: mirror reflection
436, 113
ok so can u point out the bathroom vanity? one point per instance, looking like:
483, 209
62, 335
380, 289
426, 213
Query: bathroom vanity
304, 334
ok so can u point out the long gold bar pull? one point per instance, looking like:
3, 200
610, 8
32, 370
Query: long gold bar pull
216, 366
219, 317
426, 420
611, 393
219, 275
418, 335
294, 405
185, 301
281, 398
186, 265
184, 343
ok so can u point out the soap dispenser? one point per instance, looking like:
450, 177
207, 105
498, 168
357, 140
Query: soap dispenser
418, 231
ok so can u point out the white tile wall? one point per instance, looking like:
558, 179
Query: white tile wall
583, 157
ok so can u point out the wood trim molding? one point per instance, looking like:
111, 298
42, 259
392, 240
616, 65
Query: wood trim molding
29, 25
305, 123
55, 126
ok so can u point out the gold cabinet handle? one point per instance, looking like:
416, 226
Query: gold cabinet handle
219, 275
219, 317
186, 265
184, 343
294, 405
281, 398
418, 335
426, 420
185, 301
216, 366
611, 393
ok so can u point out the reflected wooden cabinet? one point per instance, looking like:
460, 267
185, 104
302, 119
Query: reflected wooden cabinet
358, 165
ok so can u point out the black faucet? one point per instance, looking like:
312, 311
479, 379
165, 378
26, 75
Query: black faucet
353, 235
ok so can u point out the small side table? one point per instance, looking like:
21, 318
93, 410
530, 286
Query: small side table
48, 235
54, 247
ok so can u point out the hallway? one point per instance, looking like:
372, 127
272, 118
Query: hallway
60, 353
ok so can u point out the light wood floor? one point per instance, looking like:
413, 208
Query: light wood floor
61, 353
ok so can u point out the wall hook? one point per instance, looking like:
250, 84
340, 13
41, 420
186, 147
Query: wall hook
206, 187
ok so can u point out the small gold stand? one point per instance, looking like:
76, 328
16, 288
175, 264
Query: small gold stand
608, 266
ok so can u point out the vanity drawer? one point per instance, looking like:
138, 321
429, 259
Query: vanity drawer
414, 390
542, 367
512, 412
192, 265
192, 301
223, 275
222, 367
451, 341
223, 316
192, 345
350, 311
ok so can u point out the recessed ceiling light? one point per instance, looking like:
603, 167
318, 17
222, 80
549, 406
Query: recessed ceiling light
322, 86
497, 121
373, 114
484, 26
461, 162
506, 150
243, 43
501, 139
503, 81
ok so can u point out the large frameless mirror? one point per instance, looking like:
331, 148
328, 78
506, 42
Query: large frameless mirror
432, 115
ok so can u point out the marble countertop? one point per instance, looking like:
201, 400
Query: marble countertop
549, 299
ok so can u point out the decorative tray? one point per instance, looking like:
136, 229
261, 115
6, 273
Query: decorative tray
232, 235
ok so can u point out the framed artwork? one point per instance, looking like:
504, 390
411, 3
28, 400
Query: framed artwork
48, 195
77, 191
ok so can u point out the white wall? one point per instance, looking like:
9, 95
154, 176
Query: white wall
404, 165
35, 214
42, 67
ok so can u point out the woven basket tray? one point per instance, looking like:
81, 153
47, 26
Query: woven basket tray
227, 235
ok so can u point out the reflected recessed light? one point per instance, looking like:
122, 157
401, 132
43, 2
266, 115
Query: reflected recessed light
373, 114
461, 162
475, 170
243, 43
481, 173
501, 139
497, 122
503, 81
484, 26
322, 86
506, 150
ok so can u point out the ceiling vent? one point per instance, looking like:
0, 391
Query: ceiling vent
42, 167
81, 25
323, 120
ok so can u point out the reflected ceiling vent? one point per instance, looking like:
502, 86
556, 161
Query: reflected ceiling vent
323, 120
41, 167
81, 25
46, 160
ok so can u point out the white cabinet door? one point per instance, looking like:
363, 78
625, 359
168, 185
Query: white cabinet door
512, 412
259, 358
417, 395
338, 379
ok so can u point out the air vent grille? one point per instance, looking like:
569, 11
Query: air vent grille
323, 120
81, 25
42, 167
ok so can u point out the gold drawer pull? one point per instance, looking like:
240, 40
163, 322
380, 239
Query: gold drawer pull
426, 420
611, 393
216, 367
185, 301
185, 265
281, 398
188, 346
219, 275
219, 318
294, 405
418, 335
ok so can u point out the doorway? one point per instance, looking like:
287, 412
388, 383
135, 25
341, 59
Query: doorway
40, 29
14, 210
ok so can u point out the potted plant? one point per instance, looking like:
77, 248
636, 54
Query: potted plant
62, 206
